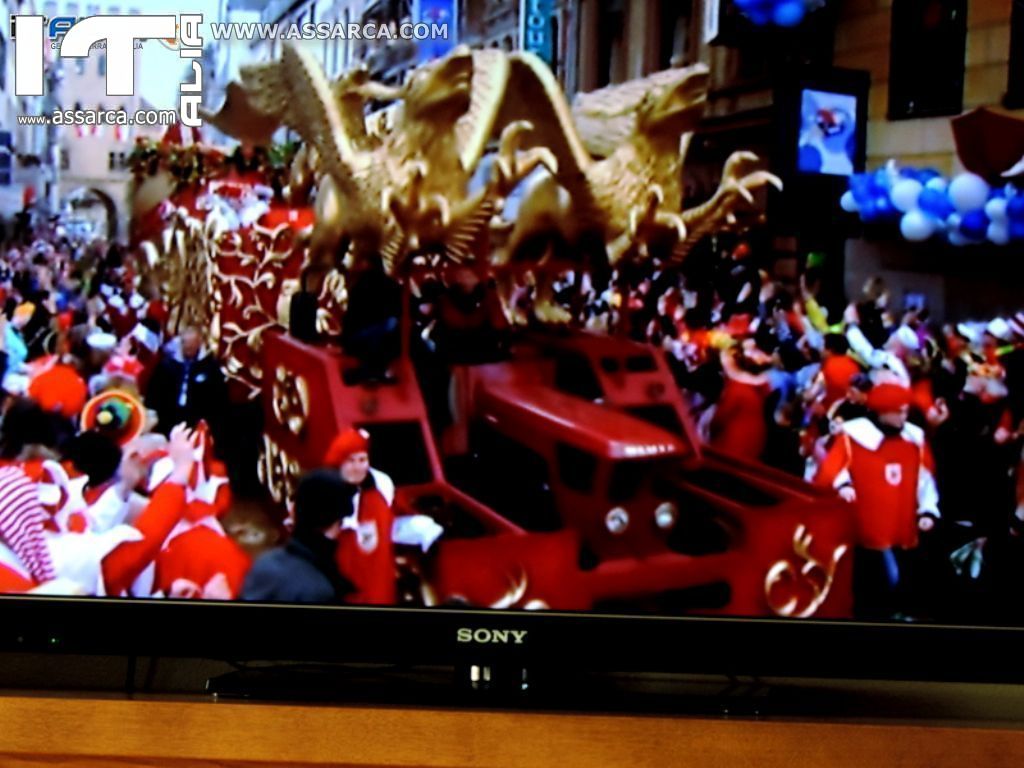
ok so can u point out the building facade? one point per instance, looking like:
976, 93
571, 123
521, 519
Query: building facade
24, 151
93, 175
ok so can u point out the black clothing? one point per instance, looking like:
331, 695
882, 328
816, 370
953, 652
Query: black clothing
302, 571
187, 391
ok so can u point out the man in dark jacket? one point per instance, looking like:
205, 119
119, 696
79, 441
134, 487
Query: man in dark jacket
188, 386
305, 569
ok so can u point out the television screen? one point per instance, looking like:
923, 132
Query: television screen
452, 341
828, 133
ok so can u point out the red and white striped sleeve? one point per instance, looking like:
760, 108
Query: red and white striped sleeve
21, 523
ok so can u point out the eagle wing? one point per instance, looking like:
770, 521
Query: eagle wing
514, 87
237, 117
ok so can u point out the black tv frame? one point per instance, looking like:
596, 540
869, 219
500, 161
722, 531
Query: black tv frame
595, 643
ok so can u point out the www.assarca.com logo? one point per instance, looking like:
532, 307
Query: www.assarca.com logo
118, 34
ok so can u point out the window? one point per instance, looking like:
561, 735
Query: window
576, 468
673, 32
3, 63
926, 58
71, 9
80, 65
1015, 82
111, 161
611, 43
103, 65
400, 451
575, 376
93, 10
523, 495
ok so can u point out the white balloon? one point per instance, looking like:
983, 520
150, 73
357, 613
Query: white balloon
999, 233
968, 192
905, 193
995, 209
938, 183
848, 202
916, 226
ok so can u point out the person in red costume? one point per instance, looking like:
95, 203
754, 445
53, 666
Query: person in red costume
883, 466
88, 558
167, 505
738, 427
366, 554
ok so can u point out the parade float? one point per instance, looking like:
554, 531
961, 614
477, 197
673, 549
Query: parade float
565, 470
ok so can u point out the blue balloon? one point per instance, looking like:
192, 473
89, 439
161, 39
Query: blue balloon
924, 175
1015, 208
868, 211
745, 4
885, 210
1017, 230
758, 16
974, 225
789, 13
861, 187
997, 192
935, 203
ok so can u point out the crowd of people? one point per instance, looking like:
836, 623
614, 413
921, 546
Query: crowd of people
917, 423
115, 451
111, 484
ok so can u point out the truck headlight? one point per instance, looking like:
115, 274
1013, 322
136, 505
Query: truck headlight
666, 514
617, 520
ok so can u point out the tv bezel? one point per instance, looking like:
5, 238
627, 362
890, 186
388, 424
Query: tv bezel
757, 647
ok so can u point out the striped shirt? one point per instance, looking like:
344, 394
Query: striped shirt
21, 523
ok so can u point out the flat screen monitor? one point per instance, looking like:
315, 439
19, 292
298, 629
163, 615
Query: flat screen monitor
327, 399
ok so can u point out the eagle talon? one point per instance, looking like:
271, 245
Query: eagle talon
673, 221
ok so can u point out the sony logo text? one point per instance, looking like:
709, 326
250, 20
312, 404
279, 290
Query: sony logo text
492, 636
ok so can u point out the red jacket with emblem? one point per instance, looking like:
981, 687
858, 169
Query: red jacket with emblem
892, 477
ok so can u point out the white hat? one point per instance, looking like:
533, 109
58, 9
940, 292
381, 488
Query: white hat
969, 331
101, 341
1000, 329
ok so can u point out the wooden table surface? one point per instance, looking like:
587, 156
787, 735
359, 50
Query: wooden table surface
80, 731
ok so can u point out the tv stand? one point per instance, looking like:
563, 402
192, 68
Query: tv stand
80, 730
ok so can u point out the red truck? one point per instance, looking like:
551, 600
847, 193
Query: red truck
570, 477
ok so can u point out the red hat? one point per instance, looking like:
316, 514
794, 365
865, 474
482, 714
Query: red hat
124, 365
344, 445
59, 388
115, 413
888, 398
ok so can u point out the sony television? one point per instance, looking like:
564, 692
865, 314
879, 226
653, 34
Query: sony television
423, 428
